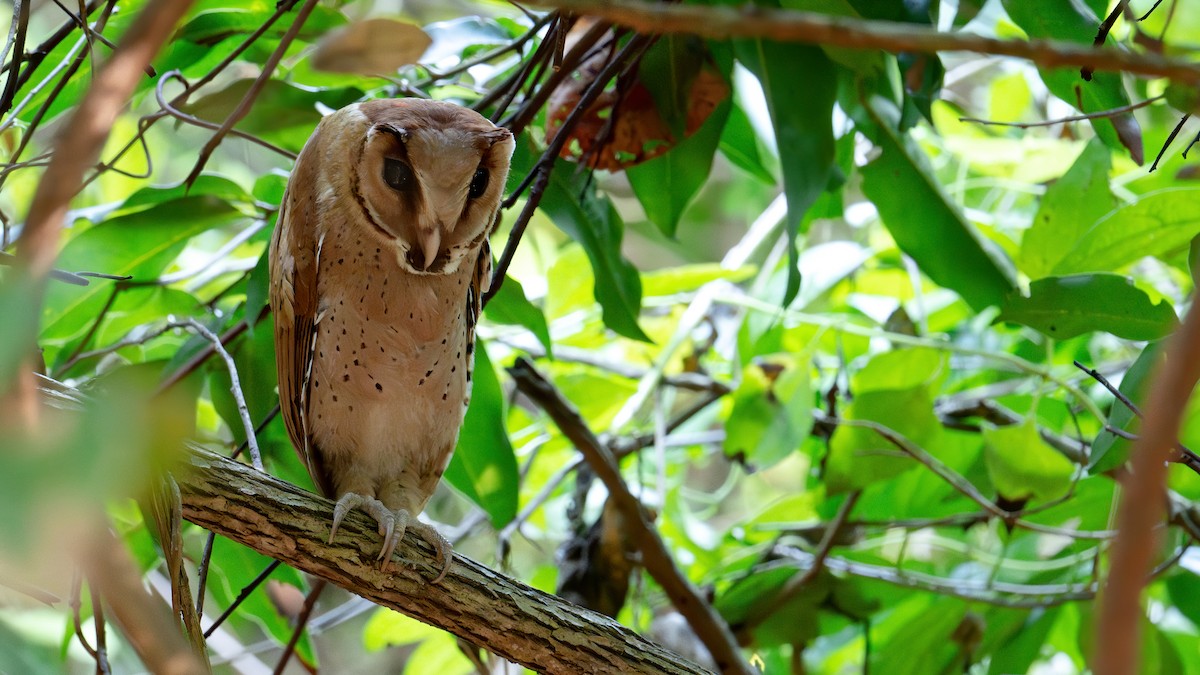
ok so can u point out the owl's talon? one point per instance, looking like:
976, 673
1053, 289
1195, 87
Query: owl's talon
376, 509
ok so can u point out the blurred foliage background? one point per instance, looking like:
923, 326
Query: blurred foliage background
830, 325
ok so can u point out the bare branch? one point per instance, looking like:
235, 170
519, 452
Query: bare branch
1141, 510
814, 28
657, 560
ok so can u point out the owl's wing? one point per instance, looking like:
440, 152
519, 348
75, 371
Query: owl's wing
294, 257
480, 282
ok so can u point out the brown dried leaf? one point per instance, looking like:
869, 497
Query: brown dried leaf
371, 47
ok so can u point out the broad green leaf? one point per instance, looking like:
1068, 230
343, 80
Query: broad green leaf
749, 600
1022, 466
923, 221
389, 628
917, 637
257, 290
668, 70
859, 456
234, 567
772, 410
437, 651
666, 184
140, 245
484, 467
205, 185
1063, 307
1184, 591
510, 307
802, 117
685, 278
902, 369
1110, 451
1069, 20
740, 145
1160, 224
211, 26
1071, 205
593, 221
283, 113
133, 307
1022, 646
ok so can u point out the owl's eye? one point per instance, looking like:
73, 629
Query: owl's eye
479, 183
398, 175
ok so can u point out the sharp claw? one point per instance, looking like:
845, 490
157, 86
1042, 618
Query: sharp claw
392, 526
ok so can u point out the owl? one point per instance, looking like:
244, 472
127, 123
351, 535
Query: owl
378, 266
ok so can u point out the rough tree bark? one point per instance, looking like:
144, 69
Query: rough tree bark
484, 607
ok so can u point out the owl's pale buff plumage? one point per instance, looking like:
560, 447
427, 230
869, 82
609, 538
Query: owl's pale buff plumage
378, 267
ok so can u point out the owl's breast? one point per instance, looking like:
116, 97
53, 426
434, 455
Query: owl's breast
389, 375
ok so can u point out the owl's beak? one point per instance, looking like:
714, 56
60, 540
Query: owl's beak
431, 244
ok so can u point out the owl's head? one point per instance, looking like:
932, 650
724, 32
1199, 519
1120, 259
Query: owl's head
428, 177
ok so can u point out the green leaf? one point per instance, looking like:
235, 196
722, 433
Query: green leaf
234, 568
1160, 224
1063, 307
802, 117
917, 637
902, 369
1071, 205
283, 113
750, 599
1069, 20
140, 245
593, 221
484, 467
923, 221
1022, 466
666, 184
740, 145
1109, 450
772, 410
859, 456
510, 307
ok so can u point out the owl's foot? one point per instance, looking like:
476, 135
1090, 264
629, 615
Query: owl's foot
392, 525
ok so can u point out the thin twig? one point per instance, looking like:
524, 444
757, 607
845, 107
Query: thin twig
241, 597
301, 625
243, 106
723, 22
799, 582
1102, 34
1112, 112
15, 45
235, 387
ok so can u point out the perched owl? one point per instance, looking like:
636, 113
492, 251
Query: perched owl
378, 266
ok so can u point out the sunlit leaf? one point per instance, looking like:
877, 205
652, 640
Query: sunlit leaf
592, 221
509, 306
1161, 224
772, 410
1063, 307
923, 221
483, 466
860, 456
802, 117
1070, 207
1022, 466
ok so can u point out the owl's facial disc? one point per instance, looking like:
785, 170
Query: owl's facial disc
434, 178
